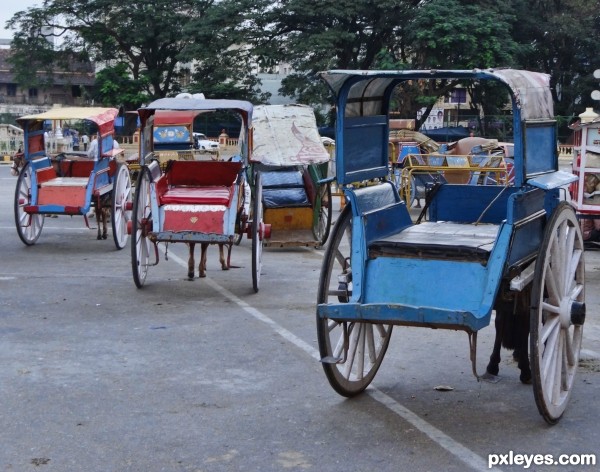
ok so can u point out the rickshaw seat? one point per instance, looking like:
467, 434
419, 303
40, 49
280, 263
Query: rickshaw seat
284, 188
214, 195
439, 240
198, 183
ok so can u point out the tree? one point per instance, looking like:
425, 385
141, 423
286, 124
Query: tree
313, 35
221, 53
145, 35
462, 34
116, 88
465, 34
562, 39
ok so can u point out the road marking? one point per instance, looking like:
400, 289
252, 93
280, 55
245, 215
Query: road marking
442, 439
59, 228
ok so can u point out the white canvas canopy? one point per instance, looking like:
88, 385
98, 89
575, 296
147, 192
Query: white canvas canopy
286, 135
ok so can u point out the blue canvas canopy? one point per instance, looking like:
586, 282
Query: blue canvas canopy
369, 89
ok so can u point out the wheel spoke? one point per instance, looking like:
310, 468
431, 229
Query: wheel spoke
371, 344
360, 351
353, 334
569, 354
547, 307
548, 352
552, 287
571, 261
557, 375
547, 328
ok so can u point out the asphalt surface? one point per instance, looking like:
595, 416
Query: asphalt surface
97, 375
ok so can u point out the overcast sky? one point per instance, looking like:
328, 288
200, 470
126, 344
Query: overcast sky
9, 8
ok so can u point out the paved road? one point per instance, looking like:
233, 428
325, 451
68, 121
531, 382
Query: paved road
96, 375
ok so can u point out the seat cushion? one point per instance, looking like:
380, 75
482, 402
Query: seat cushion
214, 195
281, 179
285, 197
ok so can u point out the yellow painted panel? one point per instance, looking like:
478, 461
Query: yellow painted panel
289, 218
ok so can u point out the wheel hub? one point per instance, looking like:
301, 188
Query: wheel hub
565, 312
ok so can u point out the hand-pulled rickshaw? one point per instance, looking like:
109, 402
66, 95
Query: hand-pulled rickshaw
515, 249
185, 198
71, 182
290, 163
419, 162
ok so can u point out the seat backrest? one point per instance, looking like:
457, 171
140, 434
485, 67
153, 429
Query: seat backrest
202, 173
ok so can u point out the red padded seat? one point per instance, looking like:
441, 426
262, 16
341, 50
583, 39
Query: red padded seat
213, 195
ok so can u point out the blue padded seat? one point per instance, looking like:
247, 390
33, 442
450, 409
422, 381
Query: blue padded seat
284, 188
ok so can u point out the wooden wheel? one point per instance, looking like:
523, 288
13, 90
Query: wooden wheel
121, 204
29, 226
557, 312
322, 217
257, 232
351, 352
242, 213
141, 223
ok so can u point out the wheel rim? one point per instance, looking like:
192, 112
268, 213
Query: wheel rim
351, 351
29, 227
122, 197
142, 217
323, 218
257, 225
556, 326
241, 216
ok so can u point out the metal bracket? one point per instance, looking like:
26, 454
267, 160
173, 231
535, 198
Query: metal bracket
340, 360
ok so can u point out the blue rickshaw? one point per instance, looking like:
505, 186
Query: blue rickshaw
516, 249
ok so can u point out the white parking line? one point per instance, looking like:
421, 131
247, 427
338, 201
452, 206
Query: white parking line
455, 448
57, 228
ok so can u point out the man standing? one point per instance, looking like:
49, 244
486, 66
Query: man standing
93, 150
85, 141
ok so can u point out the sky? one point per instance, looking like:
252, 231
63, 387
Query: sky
9, 8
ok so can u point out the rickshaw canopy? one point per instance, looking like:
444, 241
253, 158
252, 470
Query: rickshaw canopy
287, 135
368, 91
170, 117
363, 100
103, 117
175, 105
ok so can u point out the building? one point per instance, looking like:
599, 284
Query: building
67, 88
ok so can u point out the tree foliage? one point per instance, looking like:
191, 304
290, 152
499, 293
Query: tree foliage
563, 38
312, 35
222, 58
145, 35
225, 41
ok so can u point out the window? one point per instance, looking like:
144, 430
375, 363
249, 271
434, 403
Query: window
457, 96
11, 90
33, 92
75, 91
